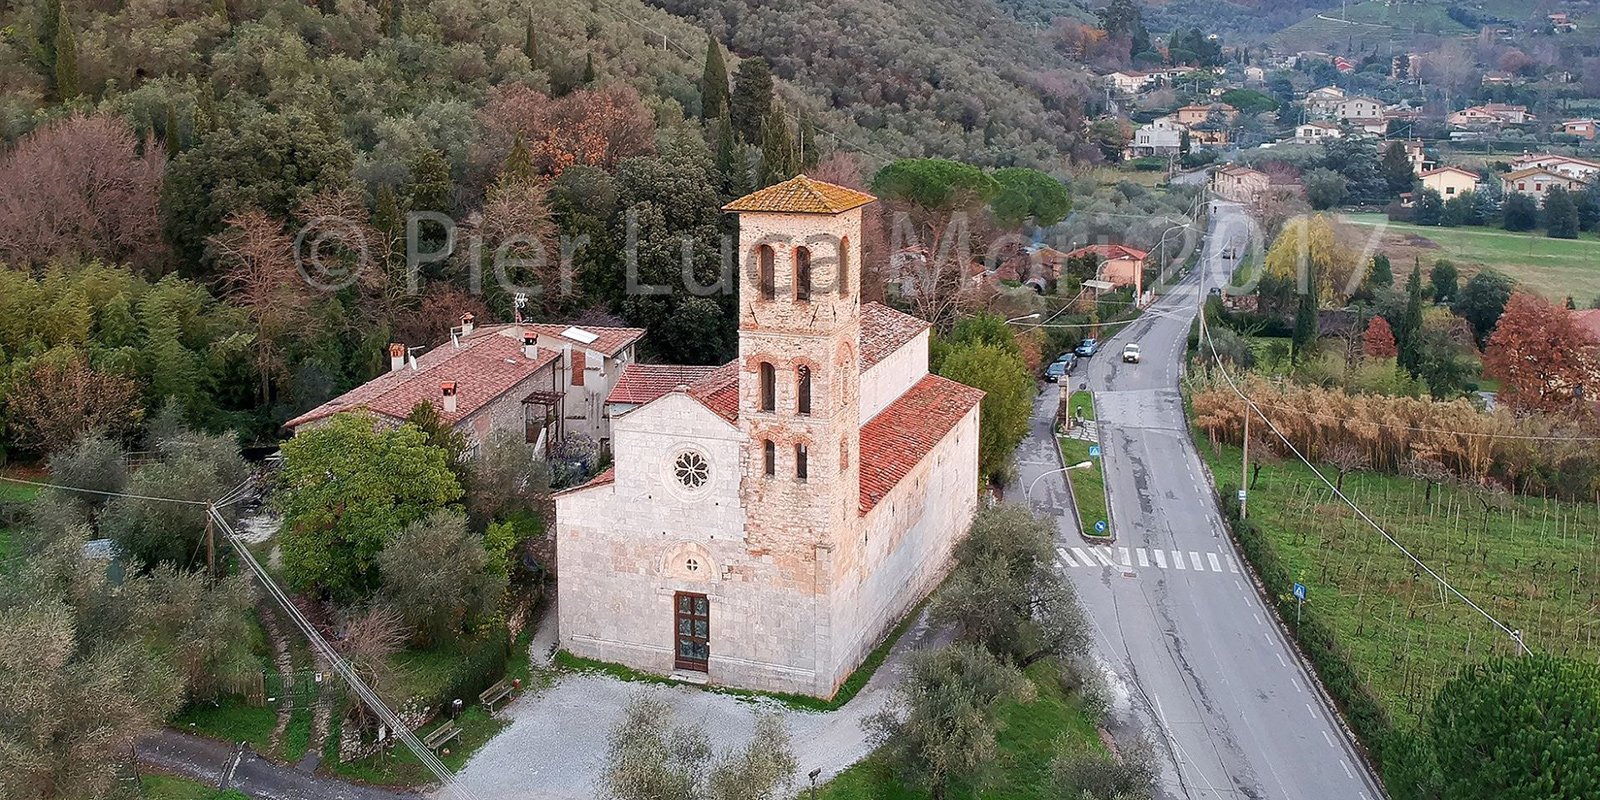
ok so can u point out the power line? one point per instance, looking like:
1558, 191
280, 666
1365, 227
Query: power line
1413, 428
1205, 335
102, 492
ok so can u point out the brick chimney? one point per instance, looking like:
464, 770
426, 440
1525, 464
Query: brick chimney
397, 356
530, 345
466, 324
448, 390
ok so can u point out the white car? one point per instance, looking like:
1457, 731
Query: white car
1130, 354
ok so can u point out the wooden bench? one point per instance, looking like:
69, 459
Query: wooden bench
441, 735
499, 691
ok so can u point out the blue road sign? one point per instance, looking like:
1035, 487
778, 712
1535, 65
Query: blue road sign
1099, 526
1094, 451
1300, 591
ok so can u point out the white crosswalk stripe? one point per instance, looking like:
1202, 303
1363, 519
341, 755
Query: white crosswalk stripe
1127, 560
1083, 555
1100, 553
1066, 558
1144, 561
1177, 559
1161, 558
1195, 557
1233, 565
1216, 566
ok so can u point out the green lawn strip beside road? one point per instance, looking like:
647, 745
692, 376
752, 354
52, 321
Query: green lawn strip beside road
1025, 747
1080, 404
1532, 563
1554, 268
166, 787
1088, 486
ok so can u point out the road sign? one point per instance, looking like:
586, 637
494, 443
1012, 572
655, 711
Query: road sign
1099, 526
1299, 600
1242, 494
1300, 592
1094, 451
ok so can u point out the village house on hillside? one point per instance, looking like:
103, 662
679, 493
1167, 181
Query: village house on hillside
541, 381
1239, 183
769, 520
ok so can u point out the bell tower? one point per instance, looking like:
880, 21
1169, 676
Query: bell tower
799, 363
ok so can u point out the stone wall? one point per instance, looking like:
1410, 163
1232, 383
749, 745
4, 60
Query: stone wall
891, 377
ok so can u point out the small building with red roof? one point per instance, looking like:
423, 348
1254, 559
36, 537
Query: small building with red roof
769, 520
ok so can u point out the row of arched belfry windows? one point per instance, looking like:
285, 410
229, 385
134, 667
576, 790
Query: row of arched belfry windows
769, 389
766, 277
769, 459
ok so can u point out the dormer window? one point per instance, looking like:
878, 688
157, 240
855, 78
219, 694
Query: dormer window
802, 274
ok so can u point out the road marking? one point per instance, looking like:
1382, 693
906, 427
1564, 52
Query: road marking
1233, 565
1216, 566
1066, 557
1177, 559
1238, 584
1297, 686
1127, 560
1161, 558
1346, 766
1100, 553
1194, 556
1144, 561
1280, 659
1327, 738
1083, 556
1311, 711
1257, 616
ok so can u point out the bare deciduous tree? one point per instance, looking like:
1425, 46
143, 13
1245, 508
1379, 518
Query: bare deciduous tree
60, 400
263, 279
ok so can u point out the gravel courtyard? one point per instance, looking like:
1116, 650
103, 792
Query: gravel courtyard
556, 742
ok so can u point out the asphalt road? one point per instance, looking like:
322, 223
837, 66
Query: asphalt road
225, 765
1194, 658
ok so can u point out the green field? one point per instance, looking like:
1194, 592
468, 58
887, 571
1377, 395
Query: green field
1533, 564
166, 787
1026, 745
1088, 486
1555, 268
1366, 26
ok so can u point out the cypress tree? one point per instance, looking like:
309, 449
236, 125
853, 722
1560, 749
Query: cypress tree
66, 64
1305, 319
751, 101
1382, 271
386, 216
777, 150
530, 43
389, 11
220, 8
1408, 339
808, 148
518, 168
171, 130
430, 186
588, 69
49, 24
327, 7
714, 83
730, 164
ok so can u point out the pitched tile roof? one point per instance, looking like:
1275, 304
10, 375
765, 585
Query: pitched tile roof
609, 341
884, 330
1109, 251
603, 479
801, 195
719, 391
901, 435
641, 383
1442, 170
482, 368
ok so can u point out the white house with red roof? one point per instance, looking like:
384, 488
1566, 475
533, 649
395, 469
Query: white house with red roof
540, 380
768, 521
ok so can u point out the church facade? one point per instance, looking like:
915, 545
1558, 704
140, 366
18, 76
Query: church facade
768, 521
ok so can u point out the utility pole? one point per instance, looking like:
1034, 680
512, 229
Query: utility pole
211, 544
1244, 466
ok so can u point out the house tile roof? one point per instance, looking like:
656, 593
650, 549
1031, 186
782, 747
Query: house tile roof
1109, 251
641, 383
483, 368
719, 391
884, 330
1441, 170
609, 341
1530, 171
801, 195
903, 434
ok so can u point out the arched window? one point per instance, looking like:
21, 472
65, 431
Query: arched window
769, 458
802, 273
844, 267
800, 469
764, 273
802, 390
769, 398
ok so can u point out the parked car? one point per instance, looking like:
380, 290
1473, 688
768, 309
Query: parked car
1087, 348
1055, 372
1070, 359
1130, 354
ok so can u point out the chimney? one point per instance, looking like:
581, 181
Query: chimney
530, 345
397, 356
448, 390
466, 324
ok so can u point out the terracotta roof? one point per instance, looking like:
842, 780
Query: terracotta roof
719, 391
801, 195
603, 479
1468, 173
903, 434
884, 330
1523, 173
1109, 251
609, 341
483, 368
641, 383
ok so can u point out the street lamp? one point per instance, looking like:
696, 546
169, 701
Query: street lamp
1028, 495
1161, 257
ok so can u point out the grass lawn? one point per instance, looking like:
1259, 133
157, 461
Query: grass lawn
1534, 564
1554, 268
1088, 485
1080, 404
230, 719
1369, 25
1025, 747
166, 787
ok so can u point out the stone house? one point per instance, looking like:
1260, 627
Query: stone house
768, 521
1158, 138
1239, 183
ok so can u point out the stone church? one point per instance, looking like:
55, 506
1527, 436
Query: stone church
768, 521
